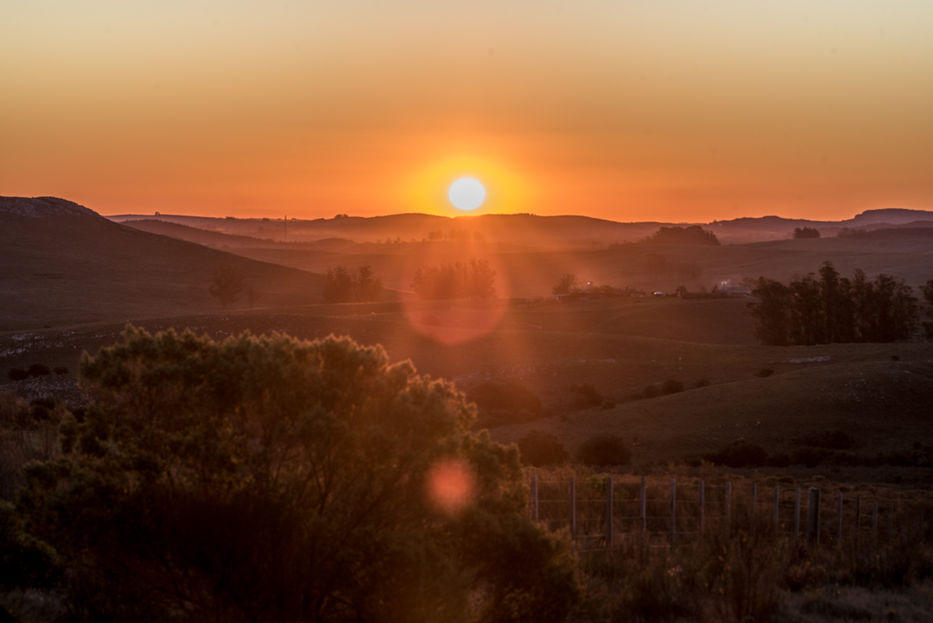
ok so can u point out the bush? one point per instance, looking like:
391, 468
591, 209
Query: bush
17, 374
604, 451
542, 449
271, 479
740, 454
584, 396
502, 403
37, 369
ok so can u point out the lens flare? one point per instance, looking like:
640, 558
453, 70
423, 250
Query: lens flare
451, 485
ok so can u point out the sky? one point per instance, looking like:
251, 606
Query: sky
674, 110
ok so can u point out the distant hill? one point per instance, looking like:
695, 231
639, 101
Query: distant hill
62, 263
526, 230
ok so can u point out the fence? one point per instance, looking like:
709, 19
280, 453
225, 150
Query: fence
602, 511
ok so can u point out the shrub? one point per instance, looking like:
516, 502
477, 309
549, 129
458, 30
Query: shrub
271, 479
740, 454
37, 369
603, 451
17, 374
541, 449
501, 403
584, 396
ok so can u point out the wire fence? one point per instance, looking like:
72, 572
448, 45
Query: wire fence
602, 512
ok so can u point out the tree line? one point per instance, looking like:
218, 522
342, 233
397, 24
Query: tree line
343, 286
828, 308
473, 279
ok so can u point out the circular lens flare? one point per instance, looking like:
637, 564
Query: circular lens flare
467, 193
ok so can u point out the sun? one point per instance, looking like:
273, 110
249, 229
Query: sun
467, 193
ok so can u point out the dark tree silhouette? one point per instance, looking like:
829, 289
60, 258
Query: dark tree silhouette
806, 232
227, 283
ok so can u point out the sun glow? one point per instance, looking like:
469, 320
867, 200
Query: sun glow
442, 186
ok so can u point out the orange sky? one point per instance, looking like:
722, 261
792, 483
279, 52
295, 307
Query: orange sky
675, 110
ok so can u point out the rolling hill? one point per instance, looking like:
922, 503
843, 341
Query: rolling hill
65, 264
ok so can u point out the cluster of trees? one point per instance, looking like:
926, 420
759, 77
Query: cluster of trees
458, 280
272, 479
692, 234
831, 308
806, 232
342, 286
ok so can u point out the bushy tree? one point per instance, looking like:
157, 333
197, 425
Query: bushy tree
271, 479
692, 234
604, 451
806, 232
834, 309
342, 286
227, 283
473, 279
565, 285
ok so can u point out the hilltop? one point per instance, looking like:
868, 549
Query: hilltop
63, 263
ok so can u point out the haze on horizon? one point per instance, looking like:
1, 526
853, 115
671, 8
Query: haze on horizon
674, 111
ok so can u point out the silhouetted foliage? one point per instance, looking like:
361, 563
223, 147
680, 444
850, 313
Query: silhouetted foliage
806, 232
583, 396
604, 451
473, 279
227, 283
38, 369
834, 309
692, 234
542, 449
271, 479
501, 403
565, 285
739, 454
341, 286
17, 374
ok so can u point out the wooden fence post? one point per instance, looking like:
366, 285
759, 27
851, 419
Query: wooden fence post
891, 522
813, 515
858, 514
643, 506
797, 514
609, 512
839, 519
777, 508
673, 508
573, 509
534, 497
728, 509
702, 508
753, 504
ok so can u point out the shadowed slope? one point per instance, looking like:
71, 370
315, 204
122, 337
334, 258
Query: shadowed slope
63, 263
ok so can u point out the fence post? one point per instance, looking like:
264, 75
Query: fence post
643, 506
813, 515
858, 514
673, 508
839, 518
573, 509
753, 504
891, 522
777, 507
608, 512
702, 509
534, 497
797, 514
728, 519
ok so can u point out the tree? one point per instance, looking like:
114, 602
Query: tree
473, 279
692, 234
772, 310
806, 232
271, 479
565, 285
227, 284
